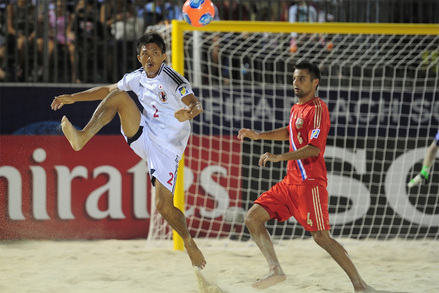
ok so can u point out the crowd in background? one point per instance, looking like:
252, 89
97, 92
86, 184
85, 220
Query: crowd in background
82, 41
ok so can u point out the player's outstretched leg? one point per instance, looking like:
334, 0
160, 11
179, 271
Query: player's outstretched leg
255, 222
175, 218
340, 255
73, 136
116, 102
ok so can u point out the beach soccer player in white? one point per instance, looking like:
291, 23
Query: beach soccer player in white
159, 134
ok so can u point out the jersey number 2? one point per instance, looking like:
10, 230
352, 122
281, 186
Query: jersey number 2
170, 181
156, 111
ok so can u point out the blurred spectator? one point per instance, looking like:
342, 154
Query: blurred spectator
158, 12
120, 20
152, 12
88, 37
2, 41
21, 33
302, 11
61, 33
233, 11
324, 11
171, 12
113, 12
284, 7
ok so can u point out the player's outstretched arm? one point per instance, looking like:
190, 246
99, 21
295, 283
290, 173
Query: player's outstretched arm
93, 94
277, 134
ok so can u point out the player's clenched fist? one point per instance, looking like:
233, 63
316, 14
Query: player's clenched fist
183, 114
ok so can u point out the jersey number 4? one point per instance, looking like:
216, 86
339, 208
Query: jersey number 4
308, 220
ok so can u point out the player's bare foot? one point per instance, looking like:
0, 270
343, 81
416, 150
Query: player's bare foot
71, 134
274, 277
195, 254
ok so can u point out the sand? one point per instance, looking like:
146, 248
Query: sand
131, 266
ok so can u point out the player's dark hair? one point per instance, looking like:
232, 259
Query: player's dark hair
313, 70
149, 38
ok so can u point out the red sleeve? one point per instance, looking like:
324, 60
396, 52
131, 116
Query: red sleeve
319, 124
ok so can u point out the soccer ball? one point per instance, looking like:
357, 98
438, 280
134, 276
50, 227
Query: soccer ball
198, 13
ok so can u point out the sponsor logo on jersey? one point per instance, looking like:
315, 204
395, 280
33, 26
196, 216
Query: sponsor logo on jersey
183, 91
315, 133
162, 96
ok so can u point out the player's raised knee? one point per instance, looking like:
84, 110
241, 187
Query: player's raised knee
118, 96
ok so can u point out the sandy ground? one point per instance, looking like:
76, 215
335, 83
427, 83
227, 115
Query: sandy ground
131, 266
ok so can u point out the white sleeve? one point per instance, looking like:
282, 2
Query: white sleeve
130, 81
123, 84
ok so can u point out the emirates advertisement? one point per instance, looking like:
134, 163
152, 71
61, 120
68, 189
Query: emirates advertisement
47, 190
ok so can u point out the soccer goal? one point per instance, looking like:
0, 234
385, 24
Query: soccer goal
380, 82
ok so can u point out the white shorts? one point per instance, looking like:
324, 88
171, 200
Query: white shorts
162, 165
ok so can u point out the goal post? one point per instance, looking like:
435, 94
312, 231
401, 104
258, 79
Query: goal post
380, 82
179, 26
178, 65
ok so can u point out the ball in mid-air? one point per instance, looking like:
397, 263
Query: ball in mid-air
198, 13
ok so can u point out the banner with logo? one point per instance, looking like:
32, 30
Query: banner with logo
49, 191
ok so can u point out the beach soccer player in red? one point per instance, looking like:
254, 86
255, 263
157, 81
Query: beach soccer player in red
302, 194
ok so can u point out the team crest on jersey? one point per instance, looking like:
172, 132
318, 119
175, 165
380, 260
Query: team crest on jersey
183, 91
315, 133
162, 96
299, 123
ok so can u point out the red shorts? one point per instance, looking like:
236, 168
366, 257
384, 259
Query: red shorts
307, 203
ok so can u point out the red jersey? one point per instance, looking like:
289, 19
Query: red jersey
309, 124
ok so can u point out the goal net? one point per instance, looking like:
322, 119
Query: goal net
380, 83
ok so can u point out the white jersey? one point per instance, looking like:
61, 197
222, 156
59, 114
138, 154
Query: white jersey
161, 97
